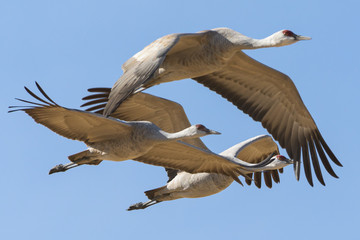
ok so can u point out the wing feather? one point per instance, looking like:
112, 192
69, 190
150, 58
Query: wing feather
168, 115
143, 66
270, 97
71, 123
255, 150
180, 155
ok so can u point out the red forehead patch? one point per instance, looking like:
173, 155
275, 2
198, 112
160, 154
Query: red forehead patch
288, 33
281, 157
200, 127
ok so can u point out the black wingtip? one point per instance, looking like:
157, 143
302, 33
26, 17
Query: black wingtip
238, 181
328, 150
99, 89
297, 170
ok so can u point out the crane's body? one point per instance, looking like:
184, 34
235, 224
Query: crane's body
110, 138
215, 59
214, 50
186, 185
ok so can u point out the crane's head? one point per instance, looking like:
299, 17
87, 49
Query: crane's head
287, 37
279, 161
201, 130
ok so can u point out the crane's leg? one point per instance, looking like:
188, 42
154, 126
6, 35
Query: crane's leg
142, 205
63, 168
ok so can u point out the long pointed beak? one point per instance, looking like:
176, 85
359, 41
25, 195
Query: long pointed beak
214, 132
290, 161
299, 37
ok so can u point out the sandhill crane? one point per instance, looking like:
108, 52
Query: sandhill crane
170, 116
215, 59
186, 185
118, 140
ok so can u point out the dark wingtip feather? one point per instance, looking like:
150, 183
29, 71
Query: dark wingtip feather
101, 107
95, 96
42, 103
306, 163
238, 180
257, 179
248, 181
267, 179
44, 94
18, 108
296, 166
275, 176
105, 90
93, 102
328, 150
324, 160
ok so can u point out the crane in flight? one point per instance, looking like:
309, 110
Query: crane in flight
109, 138
186, 185
215, 59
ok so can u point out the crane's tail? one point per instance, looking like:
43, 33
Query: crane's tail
151, 194
85, 157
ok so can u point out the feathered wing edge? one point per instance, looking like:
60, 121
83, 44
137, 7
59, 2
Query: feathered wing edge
97, 101
43, 104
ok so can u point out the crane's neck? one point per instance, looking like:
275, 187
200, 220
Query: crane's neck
243, 42
270, 163
183, 134
256, 167
251, 43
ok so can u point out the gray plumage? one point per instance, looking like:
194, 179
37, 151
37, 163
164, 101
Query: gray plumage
215, 59
109, 138
187, 185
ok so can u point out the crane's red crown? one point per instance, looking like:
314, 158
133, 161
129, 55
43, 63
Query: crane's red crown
281, 157
288, 33
201, 127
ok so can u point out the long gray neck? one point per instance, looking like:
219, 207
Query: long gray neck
266, 164
251, 43
183, 134
240, 41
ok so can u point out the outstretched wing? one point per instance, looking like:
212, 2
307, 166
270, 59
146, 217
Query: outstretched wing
166, 114
71, 123
271, 97
144, 65
180, 155
255, 150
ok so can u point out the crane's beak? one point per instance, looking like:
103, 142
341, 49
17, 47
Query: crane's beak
213, 132
299, 37
289, 161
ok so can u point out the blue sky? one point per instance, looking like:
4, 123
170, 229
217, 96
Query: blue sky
69, 46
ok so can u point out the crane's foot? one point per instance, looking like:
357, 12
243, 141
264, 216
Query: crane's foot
62, 168
57, 168
137, 206
141, 205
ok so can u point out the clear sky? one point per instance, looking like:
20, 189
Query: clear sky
69, 46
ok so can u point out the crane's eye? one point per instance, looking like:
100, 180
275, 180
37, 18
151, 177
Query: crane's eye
201, 127
288, 33
281, 157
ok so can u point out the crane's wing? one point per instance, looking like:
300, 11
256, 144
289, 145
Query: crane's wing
71, 123
166, 114
144, 65
183, 156
271, 97
255, 150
